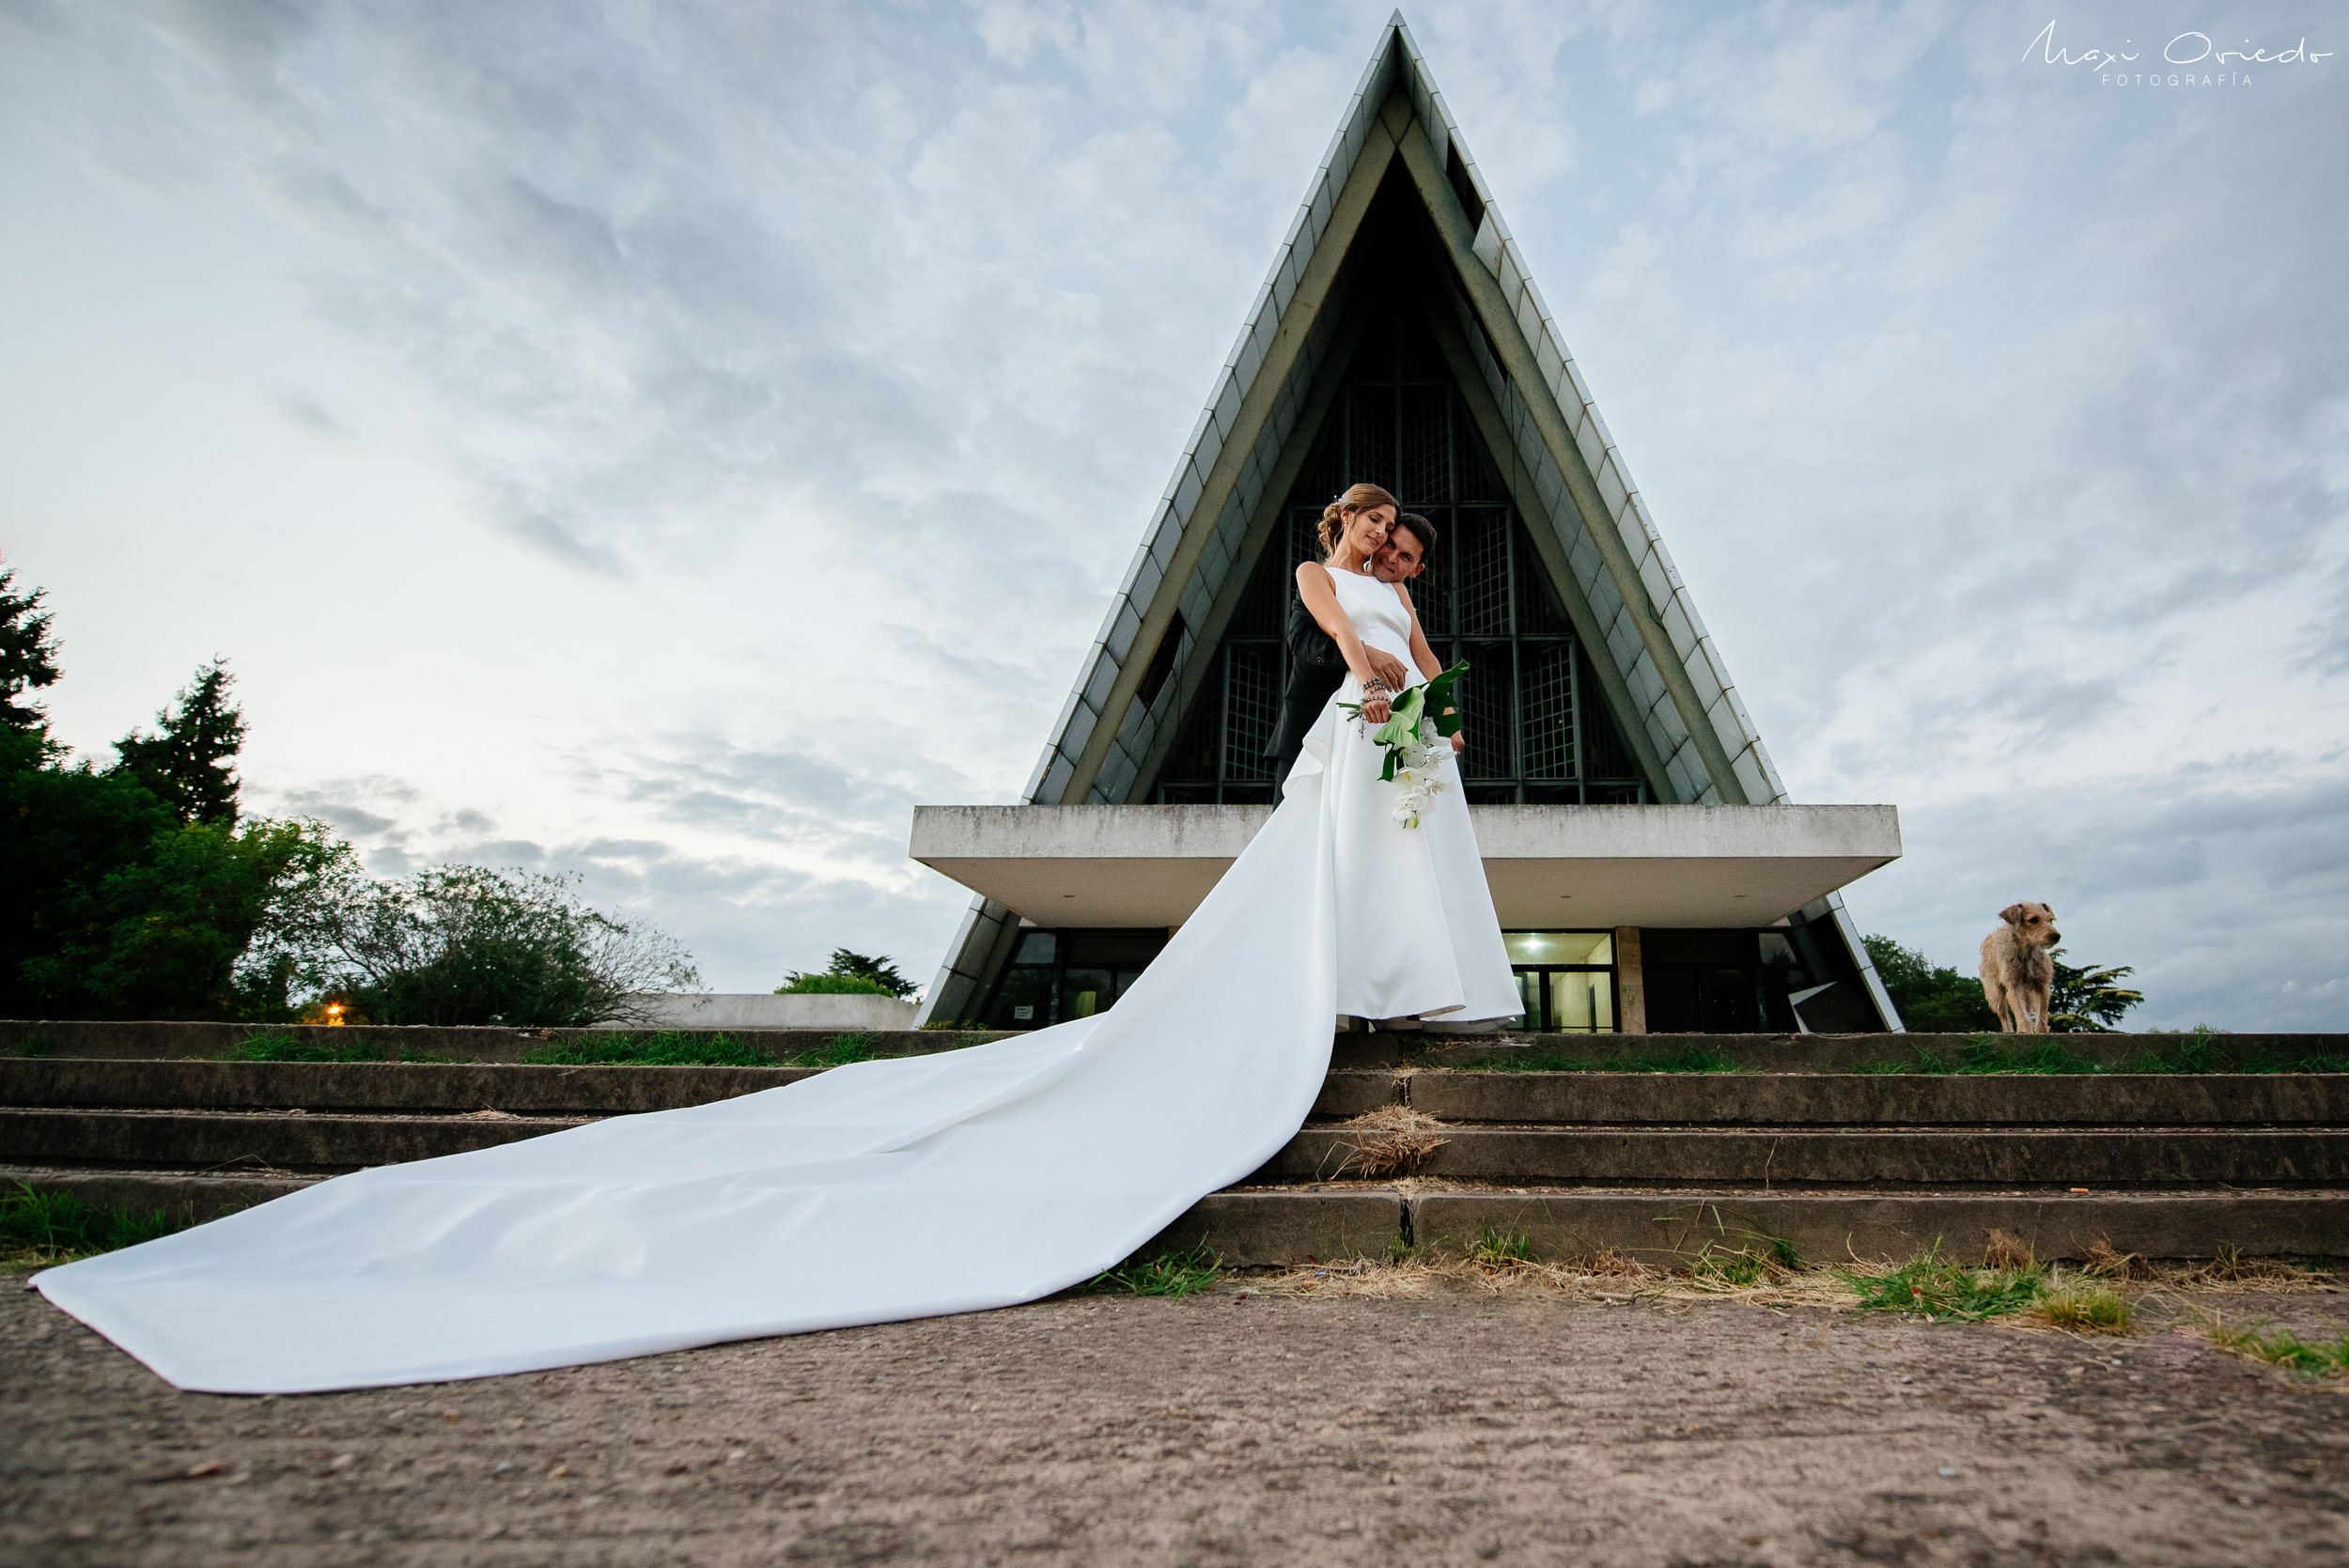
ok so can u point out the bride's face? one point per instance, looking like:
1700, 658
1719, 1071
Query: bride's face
1365, 531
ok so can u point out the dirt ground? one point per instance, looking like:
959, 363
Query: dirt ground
1227, 1428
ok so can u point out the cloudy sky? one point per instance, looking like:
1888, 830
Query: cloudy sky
668, 442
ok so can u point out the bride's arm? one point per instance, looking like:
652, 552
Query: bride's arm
1424, 657
1322, 602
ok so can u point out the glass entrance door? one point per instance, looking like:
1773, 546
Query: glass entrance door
1565, 980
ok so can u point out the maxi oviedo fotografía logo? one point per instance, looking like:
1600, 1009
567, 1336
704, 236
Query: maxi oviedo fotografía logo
2189, 60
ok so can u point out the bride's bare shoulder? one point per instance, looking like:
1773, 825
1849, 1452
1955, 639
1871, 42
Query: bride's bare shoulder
1308, 570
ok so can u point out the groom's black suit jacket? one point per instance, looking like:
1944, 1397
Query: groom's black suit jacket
1316, 670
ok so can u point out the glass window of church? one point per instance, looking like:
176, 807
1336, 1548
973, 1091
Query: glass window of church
1538, 728
1054, 976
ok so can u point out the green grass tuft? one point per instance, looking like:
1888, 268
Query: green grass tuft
1747, 1265
278, 1044
1685, 1059
1496, 1248
1173, 1274
1940, 1288
670, 1047
47, 1227
838, 1051
1987, 1054
2283, 1346
2203, 1050
1740, 1267
2085, 1309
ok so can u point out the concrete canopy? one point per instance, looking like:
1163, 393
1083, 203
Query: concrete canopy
1602, 866
1665, 680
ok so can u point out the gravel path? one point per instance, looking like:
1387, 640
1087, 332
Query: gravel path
1224, 1429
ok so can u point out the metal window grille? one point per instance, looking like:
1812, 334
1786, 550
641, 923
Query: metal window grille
1252, 706
1539, 728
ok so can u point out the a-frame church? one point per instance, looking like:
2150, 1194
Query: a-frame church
1648, 870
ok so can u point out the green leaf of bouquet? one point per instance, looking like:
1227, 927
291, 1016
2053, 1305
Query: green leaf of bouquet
1397, 730
1439, 689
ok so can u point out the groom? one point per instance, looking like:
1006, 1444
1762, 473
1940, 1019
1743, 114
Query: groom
1317, 669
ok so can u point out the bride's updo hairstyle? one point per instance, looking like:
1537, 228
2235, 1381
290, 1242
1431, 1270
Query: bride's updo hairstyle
1356, 498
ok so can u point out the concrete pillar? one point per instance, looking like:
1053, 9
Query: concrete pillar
1630, 988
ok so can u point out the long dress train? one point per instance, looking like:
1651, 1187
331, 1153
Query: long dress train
872, 1192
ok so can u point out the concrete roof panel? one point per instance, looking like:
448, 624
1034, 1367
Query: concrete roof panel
1548, 866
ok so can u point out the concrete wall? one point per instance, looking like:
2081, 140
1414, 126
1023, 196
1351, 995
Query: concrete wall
759, 1011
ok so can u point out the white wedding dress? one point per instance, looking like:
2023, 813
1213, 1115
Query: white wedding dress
883, 1190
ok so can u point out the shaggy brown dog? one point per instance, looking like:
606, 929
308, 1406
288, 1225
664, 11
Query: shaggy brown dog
2016, 972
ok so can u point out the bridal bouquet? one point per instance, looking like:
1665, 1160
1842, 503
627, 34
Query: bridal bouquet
1416, 736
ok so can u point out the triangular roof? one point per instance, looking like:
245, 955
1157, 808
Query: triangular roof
1664, 676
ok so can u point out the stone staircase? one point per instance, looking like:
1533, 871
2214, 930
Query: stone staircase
1795, 1149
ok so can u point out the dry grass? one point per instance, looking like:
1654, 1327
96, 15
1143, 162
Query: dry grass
2105, 1263
1392, 1141
2231, 1270
1497, 1271
2074, 1300
2005, 1251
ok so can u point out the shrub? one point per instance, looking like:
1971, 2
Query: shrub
833, 986
462, 944
878, 975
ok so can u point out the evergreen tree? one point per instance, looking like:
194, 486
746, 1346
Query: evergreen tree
1935, 999
2088, 1000
28, 657
1930, 999
881, 972
850, 973
188, 763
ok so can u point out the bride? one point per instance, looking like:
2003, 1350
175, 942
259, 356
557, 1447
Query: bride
888, 1189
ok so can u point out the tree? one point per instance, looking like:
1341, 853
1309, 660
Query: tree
878, 977
2088, 1000
1930, 998
461, 945
110, 909
28, 657
188, 763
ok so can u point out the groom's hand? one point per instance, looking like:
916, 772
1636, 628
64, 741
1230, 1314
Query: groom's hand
1387, 668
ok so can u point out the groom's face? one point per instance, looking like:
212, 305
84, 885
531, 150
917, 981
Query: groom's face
1400, 559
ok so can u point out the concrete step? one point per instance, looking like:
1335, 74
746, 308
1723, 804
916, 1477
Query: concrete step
1560, 1098
1842, 1053
1253, 1226
2058, 1157
1833, 1227
403, 1087
1845, 1156
171, 1040
385, 1086
1756, 1053
323, 1141
1670, 1227
1844, 1099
